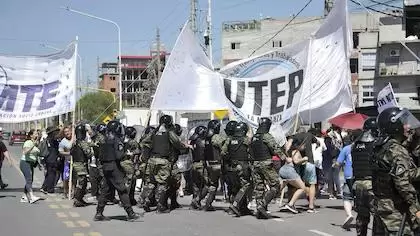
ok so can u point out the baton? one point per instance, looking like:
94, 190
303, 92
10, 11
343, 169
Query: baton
402, 225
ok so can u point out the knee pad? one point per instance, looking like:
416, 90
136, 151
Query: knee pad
81, 182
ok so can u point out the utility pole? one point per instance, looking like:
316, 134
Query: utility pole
98, 72
159, 63
208, 35
328, 5
193, 16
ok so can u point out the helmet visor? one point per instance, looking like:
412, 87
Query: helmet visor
407, 119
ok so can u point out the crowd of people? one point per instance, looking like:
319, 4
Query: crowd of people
379, 165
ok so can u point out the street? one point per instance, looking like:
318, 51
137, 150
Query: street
55, 216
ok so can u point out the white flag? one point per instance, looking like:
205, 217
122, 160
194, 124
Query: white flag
37, 87
386, 98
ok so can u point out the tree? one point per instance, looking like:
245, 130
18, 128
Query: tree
96, 104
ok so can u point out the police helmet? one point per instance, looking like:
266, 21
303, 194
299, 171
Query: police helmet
214, 125
264, 125
241, 129
101, 128
388, 122
199, 132
131, 132
115, 127
166, 120
230, 127
178, 130
80, 132
370, 124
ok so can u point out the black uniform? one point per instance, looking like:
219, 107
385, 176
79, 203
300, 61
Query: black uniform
111, 153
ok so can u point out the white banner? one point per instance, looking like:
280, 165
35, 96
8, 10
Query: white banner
37, 87
386, 98
311, 78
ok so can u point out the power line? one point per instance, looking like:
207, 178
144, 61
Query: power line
385, 4
80, 41
376, 4
284, 27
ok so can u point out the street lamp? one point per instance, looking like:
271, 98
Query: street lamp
119, 46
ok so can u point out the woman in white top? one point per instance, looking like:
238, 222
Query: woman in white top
28, 162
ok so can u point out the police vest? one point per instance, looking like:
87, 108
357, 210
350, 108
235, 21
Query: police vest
259, 149
361, 158
111, 150
211, 153
237, 150
77, 153
160, 145
198, 151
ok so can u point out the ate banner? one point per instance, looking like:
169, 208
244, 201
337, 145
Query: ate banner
37, 87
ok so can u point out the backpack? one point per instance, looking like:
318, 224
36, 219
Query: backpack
43, 149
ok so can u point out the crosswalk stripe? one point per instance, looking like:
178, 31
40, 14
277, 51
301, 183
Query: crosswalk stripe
78, 234
319, 232
74, 214
83, 224
65, 206
53, 206
95, 234
61, 215
69, 224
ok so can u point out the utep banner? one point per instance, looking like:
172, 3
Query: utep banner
269, 85
386, 98
37, 87
310, 79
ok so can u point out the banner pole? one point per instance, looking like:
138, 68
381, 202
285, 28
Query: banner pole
73, 128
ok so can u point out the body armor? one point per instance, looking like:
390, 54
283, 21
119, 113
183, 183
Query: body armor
361, 158
260, 150
160, 145
77, 153
238, 150
199, 150
112, 149
211, 153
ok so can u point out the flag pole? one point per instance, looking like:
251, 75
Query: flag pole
73, 128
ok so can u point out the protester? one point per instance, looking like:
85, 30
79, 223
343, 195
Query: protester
28, 162
4, 154
51, 160
64, 148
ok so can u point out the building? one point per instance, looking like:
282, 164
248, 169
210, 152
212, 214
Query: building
139, 78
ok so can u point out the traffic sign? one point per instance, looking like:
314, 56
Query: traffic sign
107, 119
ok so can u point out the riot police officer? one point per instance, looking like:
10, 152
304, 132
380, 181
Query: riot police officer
175, 178
396, 204
361, 153
263, 148
81, 153
197, 140
143, 171
228, 176
132, 151
111, 153
236, 151
163, 145
213, 157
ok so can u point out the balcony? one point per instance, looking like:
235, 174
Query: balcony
402, 69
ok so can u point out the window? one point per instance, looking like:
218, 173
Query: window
367, 100
112, 77
354, 65
364, 87
112, 90
368, 94
235, 46
277, 44
368, 61
356, 39
394, 85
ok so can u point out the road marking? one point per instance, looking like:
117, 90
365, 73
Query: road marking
278, 220
95, 234
65, 206
74, 214
58, 199
83, 224
48, 199
78, 234
69, 224
319, 232
53, 206
61, 215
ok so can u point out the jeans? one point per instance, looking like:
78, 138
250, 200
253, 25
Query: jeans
27, 169
332, 176
1, 164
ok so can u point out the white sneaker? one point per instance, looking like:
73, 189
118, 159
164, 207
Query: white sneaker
181, 193
34, 199
24, 199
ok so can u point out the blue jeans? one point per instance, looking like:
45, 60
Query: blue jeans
27, 169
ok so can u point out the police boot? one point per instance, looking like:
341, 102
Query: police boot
99, 216
262, 211
234, 207
162, 206
210, 198
174, 202
131, 215
195, 204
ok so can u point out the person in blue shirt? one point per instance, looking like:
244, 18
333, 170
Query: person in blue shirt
344, 160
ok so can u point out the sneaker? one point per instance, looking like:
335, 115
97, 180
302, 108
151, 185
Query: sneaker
332, 198
43, 191
3, 186
181, 193
347, 222
24, 199
291, 209
311, 210
34, 199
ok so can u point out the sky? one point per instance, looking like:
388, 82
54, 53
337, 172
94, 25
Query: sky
26, 24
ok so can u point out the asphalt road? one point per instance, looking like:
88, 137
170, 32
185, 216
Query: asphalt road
56, 216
